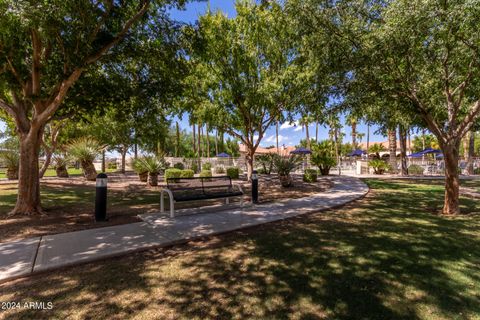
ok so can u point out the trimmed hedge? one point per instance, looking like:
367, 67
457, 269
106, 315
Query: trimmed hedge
310, 175
177, 173
206, 173
172, 173
415, 169
207, 166
233, 172
187, 173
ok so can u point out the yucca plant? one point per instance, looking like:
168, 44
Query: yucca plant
153, 165
11, 160
138, 165
85, 150
60, 163
285, 165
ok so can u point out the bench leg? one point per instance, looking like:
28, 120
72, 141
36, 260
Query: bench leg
162, 207
172, 209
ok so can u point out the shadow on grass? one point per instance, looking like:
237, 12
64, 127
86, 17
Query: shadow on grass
380, 258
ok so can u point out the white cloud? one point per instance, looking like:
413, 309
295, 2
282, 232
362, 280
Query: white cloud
273, 138
298, 128
287, 125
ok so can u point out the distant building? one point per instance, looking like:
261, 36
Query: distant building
283, 150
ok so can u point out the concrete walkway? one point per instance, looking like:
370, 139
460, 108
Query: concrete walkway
24, 257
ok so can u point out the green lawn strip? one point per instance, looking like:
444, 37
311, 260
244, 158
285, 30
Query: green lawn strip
384, 257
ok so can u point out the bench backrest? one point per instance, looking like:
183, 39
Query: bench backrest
200, 184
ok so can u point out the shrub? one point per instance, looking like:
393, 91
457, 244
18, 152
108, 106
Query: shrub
220, 170
172, 173
233, 172
139, 166
205, 173
285, 165
323, 156
11, 160
154, 165
379, 166
207, 166
415, 169
267, 162
85, 150
179, 165
194, 167
261, 171
310, 175
112, 165
187, 173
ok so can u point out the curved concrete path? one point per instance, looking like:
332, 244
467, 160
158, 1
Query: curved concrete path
24, 257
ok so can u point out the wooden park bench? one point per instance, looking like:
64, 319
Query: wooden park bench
201, 188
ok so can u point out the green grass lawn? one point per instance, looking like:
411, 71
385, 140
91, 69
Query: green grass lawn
386, 256
52, 173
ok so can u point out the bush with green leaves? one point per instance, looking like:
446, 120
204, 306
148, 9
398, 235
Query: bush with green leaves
267, 162
310, 175
415, 170
112, 165
60, 164
11, 160
233, 172
187, 173
379, 166
206, 166
153, 164
138, 165
85, 150
220, 170
285, 165
179, 165
172, 173
323, 156
205, 173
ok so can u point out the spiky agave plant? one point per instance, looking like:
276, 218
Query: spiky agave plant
154, 166
85, 150
285, 165
60, 163
11, 160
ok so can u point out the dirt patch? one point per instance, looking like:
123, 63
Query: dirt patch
69, 203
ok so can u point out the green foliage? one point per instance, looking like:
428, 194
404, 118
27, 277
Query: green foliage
179, 165
138, 165
153, 164
430, 142
84, 149
377, 148
206, 173
206, 166
219, 169
285, 165
233, 172
112, 165
173, 173
310, 175
267, 162
323, 157
10, 159
187, 173
60, 161
415, 169
379, 166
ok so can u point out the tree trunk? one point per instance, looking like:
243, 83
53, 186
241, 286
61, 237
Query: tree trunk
28, 198
216, 142
276, 134
89, 170
392, 147
409, 141
452, 182
368, 140
354, 134
307, 135
135, 151
249, 158
471, 152
46, 164
104, 165
208, 140
402, 135
200, 149
194, 141
177, 145
124, 155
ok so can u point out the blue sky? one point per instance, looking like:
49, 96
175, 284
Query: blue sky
289, 133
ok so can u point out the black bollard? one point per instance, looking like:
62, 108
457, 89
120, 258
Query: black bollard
254, 187
101, 198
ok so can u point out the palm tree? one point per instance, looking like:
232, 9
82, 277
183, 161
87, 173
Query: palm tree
392, 147
85, 150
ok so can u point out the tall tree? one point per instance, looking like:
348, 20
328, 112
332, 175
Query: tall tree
45, 47
245, 68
